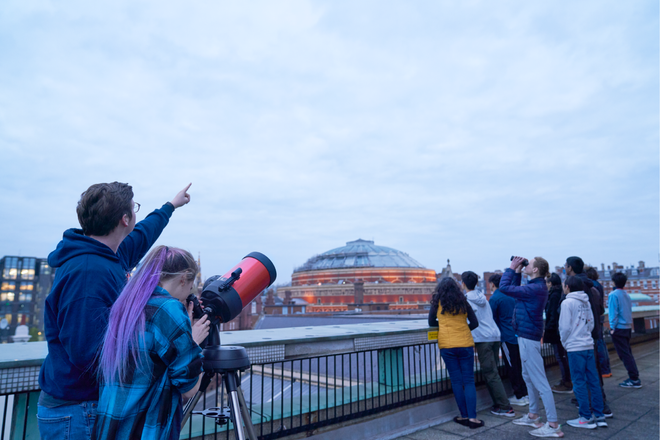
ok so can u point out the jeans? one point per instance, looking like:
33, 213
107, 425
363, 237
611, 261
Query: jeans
70, 422
562, 360
603, 357
460, 366
514, 369
621, 339
489, 355
585, 382
537, 383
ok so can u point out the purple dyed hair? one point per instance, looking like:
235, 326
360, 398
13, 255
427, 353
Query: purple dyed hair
127, 316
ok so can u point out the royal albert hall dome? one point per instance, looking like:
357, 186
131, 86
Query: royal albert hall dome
361, 261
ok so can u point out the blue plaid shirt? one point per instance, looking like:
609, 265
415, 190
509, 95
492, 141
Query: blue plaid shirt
148, 404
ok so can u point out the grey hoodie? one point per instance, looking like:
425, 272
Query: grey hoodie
576, 321
487, 330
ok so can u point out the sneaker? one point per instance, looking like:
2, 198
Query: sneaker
503, 412
629, 383
523, 401
606, 375
608, 413
527, 421
601, 422
547, 431
563, 388
581, 422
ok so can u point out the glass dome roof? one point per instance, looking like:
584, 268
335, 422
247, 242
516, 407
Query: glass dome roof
359, 253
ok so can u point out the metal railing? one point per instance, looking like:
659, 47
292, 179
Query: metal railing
306, 389
302, 395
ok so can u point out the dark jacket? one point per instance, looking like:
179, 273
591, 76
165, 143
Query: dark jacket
530, 302
503, 307
88, 280
552, 309
596, 304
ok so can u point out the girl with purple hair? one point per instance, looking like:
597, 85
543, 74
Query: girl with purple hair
150, 356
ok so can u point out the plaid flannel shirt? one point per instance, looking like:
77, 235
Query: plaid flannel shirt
148, 403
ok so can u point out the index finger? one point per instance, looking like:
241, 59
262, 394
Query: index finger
187, 187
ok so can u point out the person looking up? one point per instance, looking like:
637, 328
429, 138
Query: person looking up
93, 264
601, 348
502, 307
528, 325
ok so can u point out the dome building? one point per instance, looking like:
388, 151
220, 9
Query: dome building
361, 274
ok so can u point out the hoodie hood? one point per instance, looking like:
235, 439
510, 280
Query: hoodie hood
476, 298
487, 330
580, 296
74, 243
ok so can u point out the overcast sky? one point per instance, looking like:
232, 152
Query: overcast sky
466, 130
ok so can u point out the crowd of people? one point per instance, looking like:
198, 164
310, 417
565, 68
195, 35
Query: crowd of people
124, 351
513, 322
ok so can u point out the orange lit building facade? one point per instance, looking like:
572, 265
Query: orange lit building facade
361, 275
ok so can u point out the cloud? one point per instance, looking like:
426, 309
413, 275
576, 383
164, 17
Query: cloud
467, 130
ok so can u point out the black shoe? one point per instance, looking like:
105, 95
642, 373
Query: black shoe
464, 422
608, 413
475, 425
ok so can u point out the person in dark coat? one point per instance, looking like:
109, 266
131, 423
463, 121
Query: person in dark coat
551, 335
575, 267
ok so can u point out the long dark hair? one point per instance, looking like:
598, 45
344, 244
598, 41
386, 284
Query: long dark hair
449, 296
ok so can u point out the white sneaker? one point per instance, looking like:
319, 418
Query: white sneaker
581, 422
527, 421
547, 431
523, 401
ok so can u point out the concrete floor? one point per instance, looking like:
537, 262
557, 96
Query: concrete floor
636, 411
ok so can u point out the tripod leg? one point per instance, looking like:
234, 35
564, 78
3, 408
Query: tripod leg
249, 427
231, 381
190, 405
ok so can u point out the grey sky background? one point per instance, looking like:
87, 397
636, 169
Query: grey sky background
468, 130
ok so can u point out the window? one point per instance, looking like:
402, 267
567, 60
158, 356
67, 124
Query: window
26, 285
45, 268
8, 296
25, 297
653, 284
645, 285
27, 272
11, 268
318, 301
8, 285
400, 300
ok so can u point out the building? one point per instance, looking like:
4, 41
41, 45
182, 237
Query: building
360, 275
24, 284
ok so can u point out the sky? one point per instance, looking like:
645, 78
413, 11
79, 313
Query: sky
469, 131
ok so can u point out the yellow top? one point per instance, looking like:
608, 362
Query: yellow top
453, 330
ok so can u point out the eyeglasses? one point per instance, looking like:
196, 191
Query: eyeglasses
136, 207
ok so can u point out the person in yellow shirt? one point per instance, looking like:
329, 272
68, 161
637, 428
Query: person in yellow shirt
455, 319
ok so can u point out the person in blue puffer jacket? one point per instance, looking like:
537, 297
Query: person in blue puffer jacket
528, 325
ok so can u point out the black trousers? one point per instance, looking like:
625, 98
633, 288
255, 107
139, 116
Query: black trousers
621, 339
514, 369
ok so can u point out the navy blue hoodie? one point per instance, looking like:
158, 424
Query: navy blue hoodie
89, 278
530, 303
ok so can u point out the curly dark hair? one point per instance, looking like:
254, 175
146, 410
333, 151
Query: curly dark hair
449, 296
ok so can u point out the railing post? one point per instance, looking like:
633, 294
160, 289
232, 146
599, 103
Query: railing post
390, 367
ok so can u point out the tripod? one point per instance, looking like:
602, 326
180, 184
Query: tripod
227, 361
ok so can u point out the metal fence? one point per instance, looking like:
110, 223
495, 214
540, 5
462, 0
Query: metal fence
304, 394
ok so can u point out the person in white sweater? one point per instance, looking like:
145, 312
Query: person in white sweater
576, 321
487, 343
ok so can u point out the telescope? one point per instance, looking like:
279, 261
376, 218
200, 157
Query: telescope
223, 299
